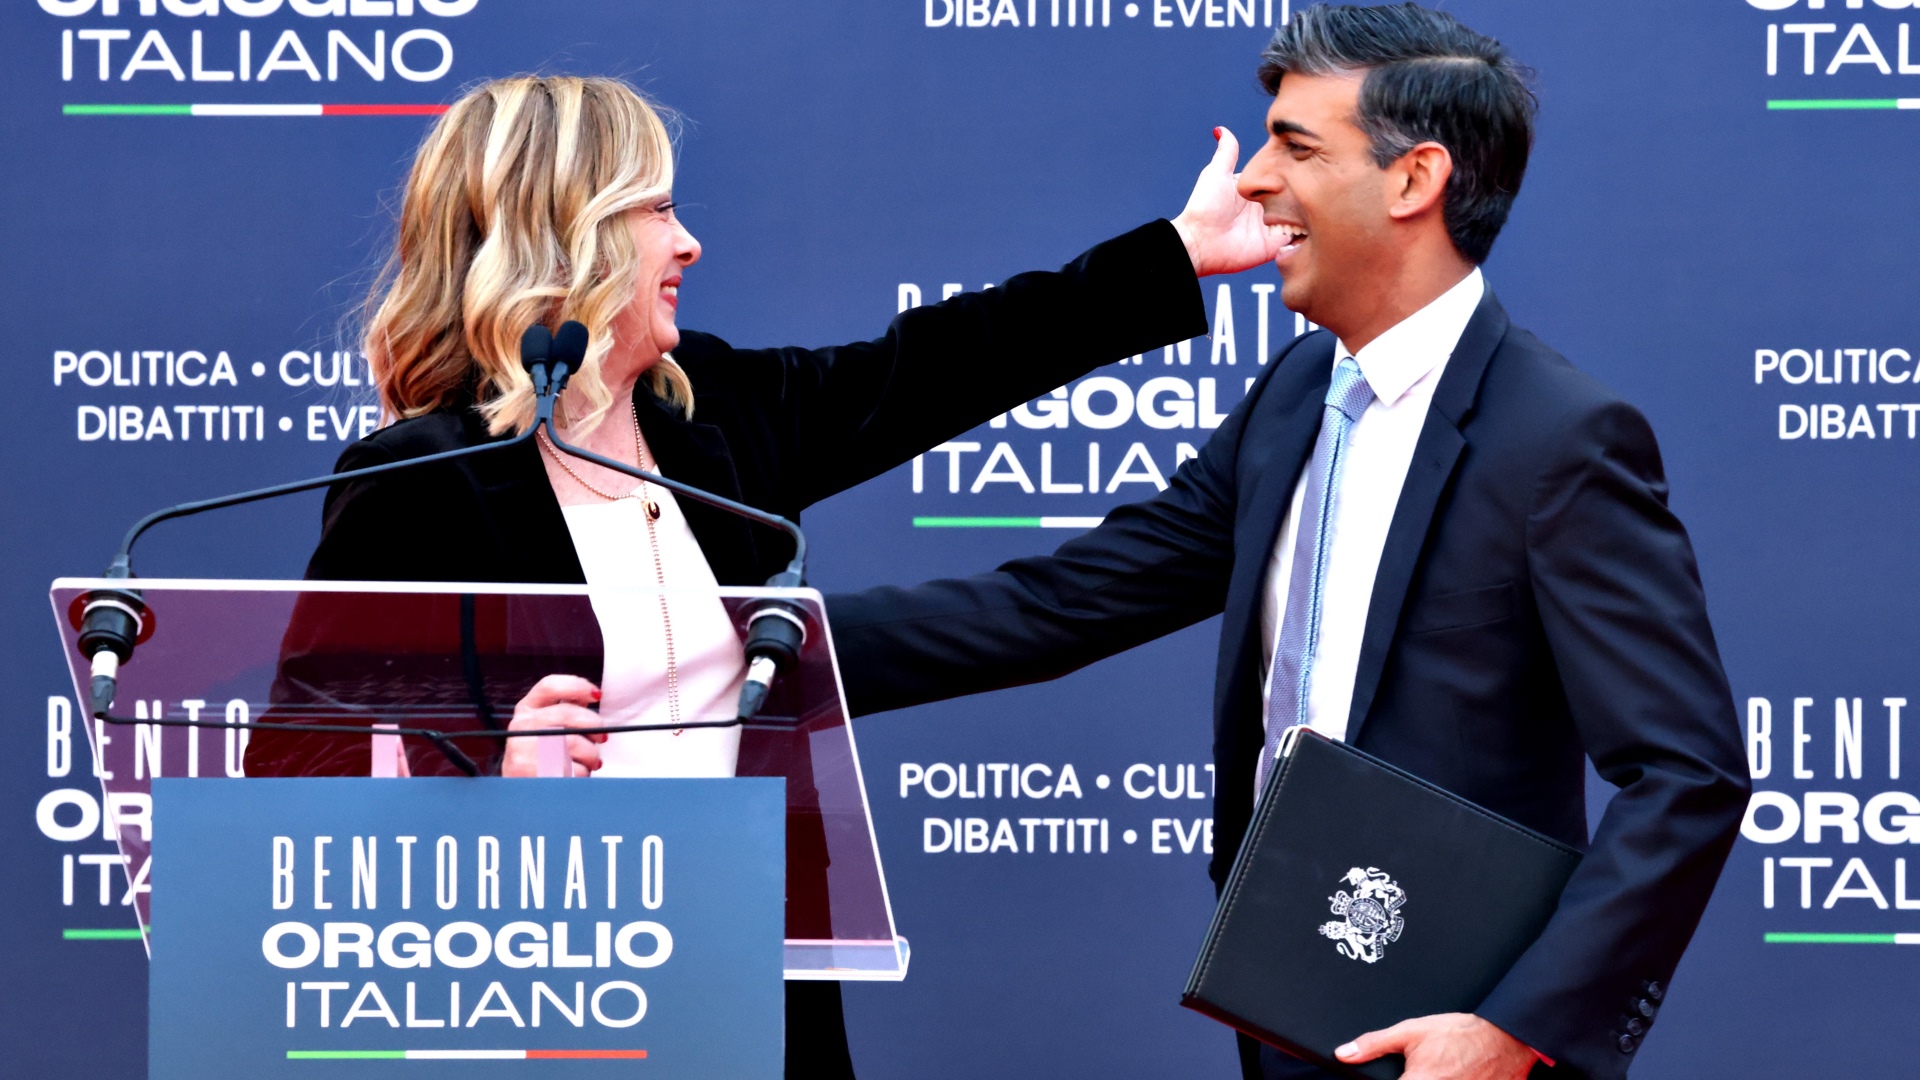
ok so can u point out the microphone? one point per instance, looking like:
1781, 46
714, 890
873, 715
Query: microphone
569, 352
112, 622
776, 629
536, 346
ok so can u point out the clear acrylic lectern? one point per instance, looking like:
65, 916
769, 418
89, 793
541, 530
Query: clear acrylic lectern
362, 659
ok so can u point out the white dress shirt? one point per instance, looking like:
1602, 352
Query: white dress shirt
1403, 366
611, 540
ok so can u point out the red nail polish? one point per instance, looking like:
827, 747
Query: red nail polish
1216, 134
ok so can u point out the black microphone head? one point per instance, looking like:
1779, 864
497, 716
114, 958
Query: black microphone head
569, 345
535, 345
569, 350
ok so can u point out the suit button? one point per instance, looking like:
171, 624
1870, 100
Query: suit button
1636, 1027
1645, 1008
1628, 1044
1655, 992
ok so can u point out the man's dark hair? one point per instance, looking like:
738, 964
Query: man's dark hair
1428, 79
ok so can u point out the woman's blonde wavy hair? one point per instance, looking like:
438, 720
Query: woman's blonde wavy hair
513, 215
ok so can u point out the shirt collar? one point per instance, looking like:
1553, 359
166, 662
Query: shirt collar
1415, 346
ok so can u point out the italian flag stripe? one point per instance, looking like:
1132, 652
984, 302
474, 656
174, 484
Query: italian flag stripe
253, 109
464, 1055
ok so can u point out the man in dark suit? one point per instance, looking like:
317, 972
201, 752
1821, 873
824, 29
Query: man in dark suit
1430, 536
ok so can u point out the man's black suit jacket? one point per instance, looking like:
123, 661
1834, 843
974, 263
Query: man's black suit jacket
1536, 603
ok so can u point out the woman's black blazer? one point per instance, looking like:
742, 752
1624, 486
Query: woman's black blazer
779, 429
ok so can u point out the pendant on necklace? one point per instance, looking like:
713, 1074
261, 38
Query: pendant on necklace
652, 508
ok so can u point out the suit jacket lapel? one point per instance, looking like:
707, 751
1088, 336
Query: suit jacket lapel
1428, 476
528, 531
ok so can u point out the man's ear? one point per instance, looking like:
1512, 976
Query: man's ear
1417, 182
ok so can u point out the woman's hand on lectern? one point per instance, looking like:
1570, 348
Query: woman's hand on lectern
1225, 233
554, 702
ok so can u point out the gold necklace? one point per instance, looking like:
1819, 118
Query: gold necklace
652, 515
640, 455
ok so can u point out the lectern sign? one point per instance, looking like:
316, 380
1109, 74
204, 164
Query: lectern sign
326, 928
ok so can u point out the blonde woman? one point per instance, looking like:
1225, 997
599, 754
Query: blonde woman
546, 199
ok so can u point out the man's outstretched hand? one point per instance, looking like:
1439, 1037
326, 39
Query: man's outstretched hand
1223, 232
1449, 1046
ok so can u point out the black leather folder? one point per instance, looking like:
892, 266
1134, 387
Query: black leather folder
1363, 896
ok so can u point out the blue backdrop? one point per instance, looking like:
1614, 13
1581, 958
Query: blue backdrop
1717, 223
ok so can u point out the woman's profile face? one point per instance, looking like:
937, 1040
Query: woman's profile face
664, 248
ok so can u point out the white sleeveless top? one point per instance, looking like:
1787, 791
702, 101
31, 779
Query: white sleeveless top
611, 540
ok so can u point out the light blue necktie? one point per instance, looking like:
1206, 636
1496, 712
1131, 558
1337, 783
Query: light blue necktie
1292, 673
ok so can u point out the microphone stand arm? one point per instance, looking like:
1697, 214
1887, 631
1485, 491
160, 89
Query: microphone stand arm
795, 574
776, 629
113, 619
122, 565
